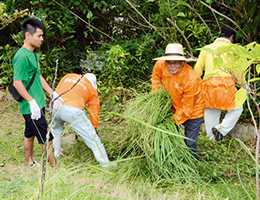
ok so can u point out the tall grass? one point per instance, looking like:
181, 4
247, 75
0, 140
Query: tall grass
143, 156
150, 132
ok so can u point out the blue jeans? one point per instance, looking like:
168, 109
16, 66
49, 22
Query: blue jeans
78, 121
192, 127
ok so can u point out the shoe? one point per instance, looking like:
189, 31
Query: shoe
35, 164
218, 136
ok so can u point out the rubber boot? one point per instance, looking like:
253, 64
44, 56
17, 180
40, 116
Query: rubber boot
101, 156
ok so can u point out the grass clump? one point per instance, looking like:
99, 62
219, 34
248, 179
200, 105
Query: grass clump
150, 132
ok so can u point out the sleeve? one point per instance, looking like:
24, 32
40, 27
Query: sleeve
93, 108
200, 64
156, 77
190, 96
20, 73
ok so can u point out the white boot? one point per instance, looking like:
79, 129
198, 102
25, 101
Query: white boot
101, 156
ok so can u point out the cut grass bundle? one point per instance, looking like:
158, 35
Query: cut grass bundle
150, 131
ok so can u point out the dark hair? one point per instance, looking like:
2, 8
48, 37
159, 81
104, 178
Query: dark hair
77, 70
227, 32
31, 24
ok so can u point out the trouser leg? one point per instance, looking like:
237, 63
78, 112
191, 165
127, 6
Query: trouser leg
211, 119
192, 127
56, 129
86, 131
229, 121
101, 156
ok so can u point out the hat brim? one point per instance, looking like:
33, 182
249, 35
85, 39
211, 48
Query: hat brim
180, 58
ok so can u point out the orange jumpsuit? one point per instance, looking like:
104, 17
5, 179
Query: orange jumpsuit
184, 88
83, 93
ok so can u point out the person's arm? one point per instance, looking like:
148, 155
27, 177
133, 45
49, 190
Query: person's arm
22, 90
200, 65
93, 108
188, 101
45, 85
156, 77
57, 104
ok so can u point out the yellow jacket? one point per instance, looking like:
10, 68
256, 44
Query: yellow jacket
205, 60
184, 88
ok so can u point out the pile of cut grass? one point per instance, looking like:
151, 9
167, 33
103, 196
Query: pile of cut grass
152, 136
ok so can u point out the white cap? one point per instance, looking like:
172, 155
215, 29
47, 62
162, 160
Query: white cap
92, 79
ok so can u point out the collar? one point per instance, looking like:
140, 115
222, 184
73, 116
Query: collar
222, 39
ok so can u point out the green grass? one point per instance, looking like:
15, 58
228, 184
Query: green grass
225, 170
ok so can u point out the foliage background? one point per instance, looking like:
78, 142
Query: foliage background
118, 39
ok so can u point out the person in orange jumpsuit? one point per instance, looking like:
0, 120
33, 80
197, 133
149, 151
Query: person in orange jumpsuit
184, 86
219, 90
72, 112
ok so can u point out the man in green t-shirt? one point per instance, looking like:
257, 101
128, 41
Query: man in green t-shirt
25, 63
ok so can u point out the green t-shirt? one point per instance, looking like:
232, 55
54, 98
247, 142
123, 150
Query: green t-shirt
25, 64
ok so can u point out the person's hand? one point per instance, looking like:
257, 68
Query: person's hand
247, 87
35, 110
57, 104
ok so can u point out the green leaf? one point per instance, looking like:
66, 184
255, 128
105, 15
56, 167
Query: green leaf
243, 63
181, 14
217, 62
89, 15
207, 50
254, 79
223, 49
208, 76
257, 68
182, 3
241, 97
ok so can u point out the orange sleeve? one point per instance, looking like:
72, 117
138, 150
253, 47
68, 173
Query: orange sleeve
190, 96
93, 107
156, 76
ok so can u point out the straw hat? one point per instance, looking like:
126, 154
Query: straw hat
92, 79
175, 52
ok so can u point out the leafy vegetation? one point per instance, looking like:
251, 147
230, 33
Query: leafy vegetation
142, 29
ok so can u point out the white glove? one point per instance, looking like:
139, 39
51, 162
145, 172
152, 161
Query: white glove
248, 88
35, 110
57, 103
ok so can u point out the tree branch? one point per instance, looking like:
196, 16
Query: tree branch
84, 21
247, 37
186, 40
48, 129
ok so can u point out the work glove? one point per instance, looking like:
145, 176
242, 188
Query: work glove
248, 88
35, 110
57, 104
